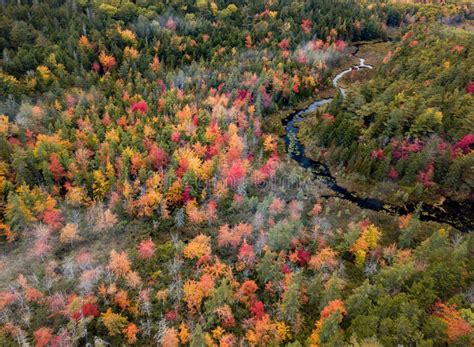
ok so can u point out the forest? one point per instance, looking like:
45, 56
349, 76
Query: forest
147, 196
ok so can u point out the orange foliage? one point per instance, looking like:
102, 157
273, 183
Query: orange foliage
183, 333
170, 338
247, 291
119, 263
325, 258
266, 332
233, 237
108, 62
456, 325
333, 306
131, 332
121, 299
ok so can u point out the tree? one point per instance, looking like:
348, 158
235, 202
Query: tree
131, 332
198, 247
43, 336
146, 249
69, 233
170, 338
119, 263
114, 322
456, 326
327, 327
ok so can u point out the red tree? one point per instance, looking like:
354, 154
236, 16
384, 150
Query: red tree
43, 336
55, 167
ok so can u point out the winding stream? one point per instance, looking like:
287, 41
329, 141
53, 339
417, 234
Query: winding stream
458, 215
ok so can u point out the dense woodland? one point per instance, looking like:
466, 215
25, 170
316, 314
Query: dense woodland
413, 122
143, 200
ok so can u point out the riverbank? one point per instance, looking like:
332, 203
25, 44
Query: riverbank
393, 200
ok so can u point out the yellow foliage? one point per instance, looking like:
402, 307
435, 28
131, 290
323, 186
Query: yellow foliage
269, 143
127, 35
367, 240
76, 196
198, 247
193, 295
283, 331
371, 235
112, 135
218, 332
43, 72
3, 124
101, 185
114, 322
360, 257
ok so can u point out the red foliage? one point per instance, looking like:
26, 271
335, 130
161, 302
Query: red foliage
236, 173
171, 315
426, 177
303, 256
377, 154
182, 168
393, 174
306, 25
170, 24
402, 150
43, 336
186, 195
284, 44
53, 218
317, 208
41, 247
90, 310
470, 88
246, 252
257, 309
55, 167
95, 67
146, 249
232, 237
141, 106
340, 45
243, 95
328, 117
465, 143
212, 210
175, 136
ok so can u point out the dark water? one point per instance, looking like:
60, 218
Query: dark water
459, 216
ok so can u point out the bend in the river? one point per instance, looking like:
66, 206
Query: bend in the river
451, 212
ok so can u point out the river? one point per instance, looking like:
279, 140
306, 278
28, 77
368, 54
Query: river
458, 215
